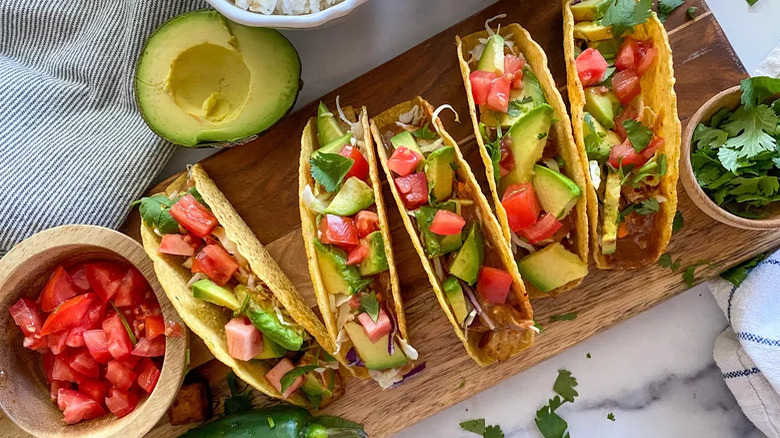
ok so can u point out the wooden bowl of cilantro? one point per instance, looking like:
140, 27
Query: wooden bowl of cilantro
731, 157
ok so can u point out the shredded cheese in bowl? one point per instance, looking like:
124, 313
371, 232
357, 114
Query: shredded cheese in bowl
285, 7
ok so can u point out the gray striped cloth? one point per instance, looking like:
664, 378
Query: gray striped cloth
73, 147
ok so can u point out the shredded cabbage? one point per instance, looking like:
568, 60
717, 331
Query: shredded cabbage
440, 109
437, 267
432, 146
312, 202
343, 336
409, 351
188, 263
594, 168
386, 378
522, 243
551, 164
412, 116
195, 278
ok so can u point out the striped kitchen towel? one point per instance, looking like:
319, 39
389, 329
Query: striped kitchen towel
748, 352
73, 147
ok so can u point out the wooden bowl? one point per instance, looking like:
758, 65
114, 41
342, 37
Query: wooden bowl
24, 393
725, 99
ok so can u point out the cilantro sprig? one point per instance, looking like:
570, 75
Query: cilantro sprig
329, 169
623, 15
370, 305
549, 423
493, 147
739, 273
665, 7
239, 401
479, 427
424, 133
638, 134
565, 317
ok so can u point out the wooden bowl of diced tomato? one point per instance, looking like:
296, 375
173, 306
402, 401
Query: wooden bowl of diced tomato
91, 346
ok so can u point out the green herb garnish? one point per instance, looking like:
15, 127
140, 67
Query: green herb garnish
329, 169
289, 378
550, 424
517, 106
665, 7
155, 212
611, 416
688, 275
623, 15
424, 133
370, 305
238, 402
565, 317
678, 222
739, 273
691, 12
666, 261
478, 427
638, 135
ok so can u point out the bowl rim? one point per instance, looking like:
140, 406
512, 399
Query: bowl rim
691, 185
256, 19
175, 359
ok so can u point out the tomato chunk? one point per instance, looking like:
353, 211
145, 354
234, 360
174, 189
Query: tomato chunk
121, 403
276, 373
76, 406
244, 340
34, 342
63, 371
366, 222
178, 245
647, 59
57, 342
376, 330
447, 223
68, 314
148, 375
216, 263
95, 389
591, 67
521, 205
58, 289
480, 85
193, 216
624, 155
655, 144
338, 230
26, 315
543, 229
118, 339
84, 363
626, 86
78, 275
413, 189
55, 387
105, 277
132, 289
636, 55
359, 166
357, 254
404, 161
119, 375
147, 348
97, 344
154, 326
627, 113
493, 284
513, 65
498, 96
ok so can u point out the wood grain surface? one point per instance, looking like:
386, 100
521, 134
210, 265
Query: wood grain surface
260, 180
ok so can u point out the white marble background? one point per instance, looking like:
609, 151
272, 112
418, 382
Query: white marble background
655, 372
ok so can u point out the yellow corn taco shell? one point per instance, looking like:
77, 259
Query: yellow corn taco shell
309, 230
657, 93
208, 320
506, 343
561, 133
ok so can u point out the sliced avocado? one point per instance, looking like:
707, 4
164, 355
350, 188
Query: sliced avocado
335, 146
338, 276
207, 290
313, 386
556, 192
454, 293
551, 267
529, 137
589, 10
611, 210
531, 95
271, 350
264, 317
406, 139
439, 173
608, 48
470, 257
598, 140
376, 260
216, 87
603, 105
492, 58
436, 245
592, 31
374, 356
610, 137
328, 128
353, 196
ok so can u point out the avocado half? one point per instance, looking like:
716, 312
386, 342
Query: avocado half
203, 80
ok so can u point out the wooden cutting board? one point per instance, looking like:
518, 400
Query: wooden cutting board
260, 179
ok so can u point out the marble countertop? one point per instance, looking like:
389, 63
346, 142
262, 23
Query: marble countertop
655, 372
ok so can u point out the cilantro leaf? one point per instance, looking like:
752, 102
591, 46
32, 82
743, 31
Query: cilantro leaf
739, 273
757, 89
638, 134
709, 137
678, 222
690, 271
370, 305
493, 432
665, 7
749, 128
155, 212
517, 106
648, 206
611, 416
622, 15
550, 424
565, 317
475, 426
360, 285
493, 147
656, 166
752, 2
588, 355
691, 12
293, 374
238, 402
666, 261
564, 386
424, 133
329, 169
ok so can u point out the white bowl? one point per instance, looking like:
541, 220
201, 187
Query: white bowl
308, 21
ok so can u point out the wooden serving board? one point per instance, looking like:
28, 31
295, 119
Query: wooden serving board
260, 179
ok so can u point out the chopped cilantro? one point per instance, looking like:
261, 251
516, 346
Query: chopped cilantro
596, 146
752, 2
493, 148
155, 212
550, 424
757, 89
238, 402
517, 106
638, 134
691, 12
656, 166
648, 206
424, 133
478, 427
538, 326
541, 135
565, 317
666, 261
564, 386
611, 416
739, 273
678, 222
588, 355
271, 423
329, 169
622, 15
688, 275
370, 305
665, 7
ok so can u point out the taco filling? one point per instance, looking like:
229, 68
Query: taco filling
349, 250
423, 166
621, 132
261, 329
534, 193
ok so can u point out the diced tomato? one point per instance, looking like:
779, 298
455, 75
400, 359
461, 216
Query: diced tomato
105, 278
647, 59
636, 55
68, 314
480, 85
132, 289
121, 403
58, 289
591, 67
154, 326
493, 284
178, 244
57, 342
359, 168
75, 337
446, 223
117, 338
63, 371
55, 388
217, 263
354, 302
626, 85
274, 377
26, 315
376, 330
357, 254
76, 406
521, 205
513, 66
85, 364
507, 161
655, 144
35, 342
404, 161
624, 155
97, 344
96, 314
148, 374
78, 275
413, 189
95, 389
244, 340
147, 348
628, 113
130, 361
498, 96
173, 329
338, 230
193, 216
119, 375
366, 222
543, 229
48, 365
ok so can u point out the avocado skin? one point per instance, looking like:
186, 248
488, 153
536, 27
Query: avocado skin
470, 257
